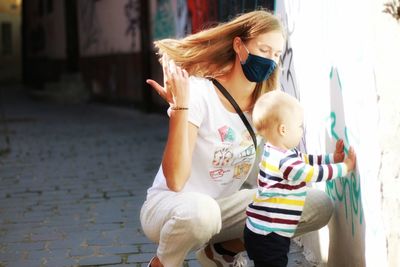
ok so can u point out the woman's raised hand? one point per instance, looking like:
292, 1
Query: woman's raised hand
176, 84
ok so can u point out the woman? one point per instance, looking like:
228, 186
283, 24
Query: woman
196, 201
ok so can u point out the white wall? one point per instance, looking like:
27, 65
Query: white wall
108, 26
387, 58
336, 69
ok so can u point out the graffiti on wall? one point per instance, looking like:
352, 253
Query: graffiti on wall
182, 22
288, 81
109, 27
89, 22
229, 8
132, 11
345, 190
288, 78
164, 21
202, 14
171, 19
334, 109
177, 18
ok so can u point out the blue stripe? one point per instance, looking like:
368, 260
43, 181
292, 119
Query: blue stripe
291, 156
274, 178
270, 177
311, 160
276, 210
327, 159
320, 173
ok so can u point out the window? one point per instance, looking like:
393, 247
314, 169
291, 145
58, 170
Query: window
6, 38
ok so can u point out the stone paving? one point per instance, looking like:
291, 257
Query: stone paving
73, 183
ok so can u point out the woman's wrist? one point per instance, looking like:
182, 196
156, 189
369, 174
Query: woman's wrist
179, 108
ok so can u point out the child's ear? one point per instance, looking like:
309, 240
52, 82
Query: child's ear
282, 129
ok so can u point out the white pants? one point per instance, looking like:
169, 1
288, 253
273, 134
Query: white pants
182, 222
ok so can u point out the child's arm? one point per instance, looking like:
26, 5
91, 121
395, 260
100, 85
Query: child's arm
350, 161
294, 169
336, 157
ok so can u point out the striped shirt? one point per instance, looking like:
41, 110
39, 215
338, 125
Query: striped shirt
282, 188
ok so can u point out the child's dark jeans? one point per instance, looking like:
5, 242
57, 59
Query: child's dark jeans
267, 250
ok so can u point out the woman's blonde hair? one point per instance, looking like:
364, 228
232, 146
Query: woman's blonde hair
209, 53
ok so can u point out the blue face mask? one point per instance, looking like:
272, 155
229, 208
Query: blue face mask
257, 69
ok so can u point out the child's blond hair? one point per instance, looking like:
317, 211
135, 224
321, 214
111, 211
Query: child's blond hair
271, 109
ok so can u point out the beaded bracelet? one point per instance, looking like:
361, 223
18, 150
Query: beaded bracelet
179, 108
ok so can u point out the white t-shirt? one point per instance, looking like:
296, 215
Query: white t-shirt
224, 151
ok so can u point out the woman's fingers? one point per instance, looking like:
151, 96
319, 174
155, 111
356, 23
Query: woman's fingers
166, 69
156, 86
175, 82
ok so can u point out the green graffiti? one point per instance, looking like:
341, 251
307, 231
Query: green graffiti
337, 189
164, 22
336, 136
337, 76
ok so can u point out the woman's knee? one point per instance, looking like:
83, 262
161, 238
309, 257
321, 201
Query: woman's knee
318, 210
202, 218
323, 206
196, 215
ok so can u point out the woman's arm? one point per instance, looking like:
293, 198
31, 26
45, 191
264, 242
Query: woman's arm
177, 158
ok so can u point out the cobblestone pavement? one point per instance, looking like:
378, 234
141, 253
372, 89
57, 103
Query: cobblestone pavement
73, 183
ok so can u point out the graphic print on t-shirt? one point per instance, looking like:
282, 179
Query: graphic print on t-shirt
246, 139
227, 134
243, 161
242, 169
224, 158
218, 173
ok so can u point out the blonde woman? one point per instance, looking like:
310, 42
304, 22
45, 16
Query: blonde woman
196, 201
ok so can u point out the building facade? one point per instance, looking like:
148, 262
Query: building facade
108, 44
10, 40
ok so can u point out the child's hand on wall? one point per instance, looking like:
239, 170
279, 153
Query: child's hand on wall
350, 161
338, 155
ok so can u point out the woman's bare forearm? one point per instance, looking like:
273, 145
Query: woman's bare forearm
177, 159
